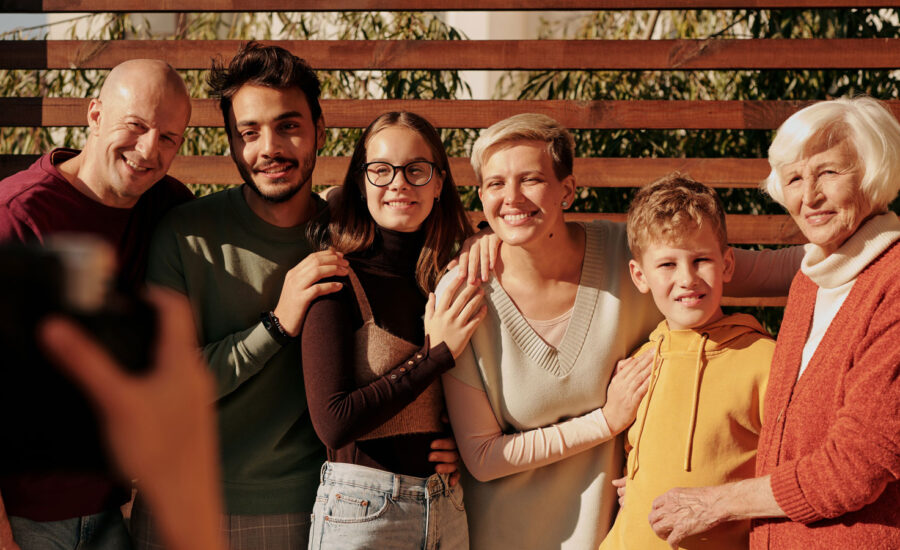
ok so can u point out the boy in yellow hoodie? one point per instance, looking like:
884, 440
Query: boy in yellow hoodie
699, 422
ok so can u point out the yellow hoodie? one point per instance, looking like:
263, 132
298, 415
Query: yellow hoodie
698, 425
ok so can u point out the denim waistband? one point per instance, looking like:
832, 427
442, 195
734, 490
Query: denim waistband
379, 480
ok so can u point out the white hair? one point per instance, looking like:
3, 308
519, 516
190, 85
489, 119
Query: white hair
873, 133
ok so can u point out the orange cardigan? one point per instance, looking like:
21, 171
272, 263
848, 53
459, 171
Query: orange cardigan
831, 440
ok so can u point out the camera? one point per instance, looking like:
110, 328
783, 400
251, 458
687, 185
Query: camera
49, 423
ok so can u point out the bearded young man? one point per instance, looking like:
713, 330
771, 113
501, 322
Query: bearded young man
242, 259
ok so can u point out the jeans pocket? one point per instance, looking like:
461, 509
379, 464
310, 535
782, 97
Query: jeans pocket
456, 496
354, 506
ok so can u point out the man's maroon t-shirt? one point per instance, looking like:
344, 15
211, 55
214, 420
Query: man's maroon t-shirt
35, 204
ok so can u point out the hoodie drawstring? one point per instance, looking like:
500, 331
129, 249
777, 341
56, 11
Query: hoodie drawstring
654, 376
697, 376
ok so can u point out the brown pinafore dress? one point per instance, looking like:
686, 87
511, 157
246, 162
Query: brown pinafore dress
377, 352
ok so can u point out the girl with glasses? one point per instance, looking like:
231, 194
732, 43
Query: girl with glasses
371, 367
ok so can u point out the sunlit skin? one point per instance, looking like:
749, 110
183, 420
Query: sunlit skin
274, 142
521, 194
136, 128
685, 278
400, 206
821, 192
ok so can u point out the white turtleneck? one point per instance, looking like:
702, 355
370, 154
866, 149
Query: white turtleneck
835, 273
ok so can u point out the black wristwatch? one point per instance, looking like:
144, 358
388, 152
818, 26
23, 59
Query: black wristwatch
274, 328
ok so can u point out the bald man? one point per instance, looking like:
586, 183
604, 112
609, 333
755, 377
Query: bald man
115, 188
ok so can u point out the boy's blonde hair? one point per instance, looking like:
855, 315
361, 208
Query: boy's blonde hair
670, 209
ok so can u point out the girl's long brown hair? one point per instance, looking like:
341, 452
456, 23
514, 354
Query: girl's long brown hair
351, 227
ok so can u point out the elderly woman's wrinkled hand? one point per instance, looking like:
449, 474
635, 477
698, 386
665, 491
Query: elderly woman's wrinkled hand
685, 511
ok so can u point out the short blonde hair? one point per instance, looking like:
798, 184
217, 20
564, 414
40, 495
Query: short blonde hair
874, 135
670, 209
530, 127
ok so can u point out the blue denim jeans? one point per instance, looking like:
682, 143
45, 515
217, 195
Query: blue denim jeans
360, 507
103, 531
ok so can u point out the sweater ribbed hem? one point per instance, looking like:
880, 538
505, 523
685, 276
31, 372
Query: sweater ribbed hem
789, 495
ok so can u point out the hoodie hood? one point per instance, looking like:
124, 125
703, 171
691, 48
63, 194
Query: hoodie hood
720, 335
702, 343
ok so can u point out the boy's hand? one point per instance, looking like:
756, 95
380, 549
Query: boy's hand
626, 389
619, 484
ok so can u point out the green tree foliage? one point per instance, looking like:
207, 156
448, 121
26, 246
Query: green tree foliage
394, 84
575, 85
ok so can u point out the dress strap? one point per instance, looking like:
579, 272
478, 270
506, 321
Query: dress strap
364, 308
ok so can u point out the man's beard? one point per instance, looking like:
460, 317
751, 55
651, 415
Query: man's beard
282, 194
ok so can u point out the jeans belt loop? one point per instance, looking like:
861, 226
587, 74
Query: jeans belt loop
395, 492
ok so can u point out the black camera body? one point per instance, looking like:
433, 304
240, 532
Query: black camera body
49, 423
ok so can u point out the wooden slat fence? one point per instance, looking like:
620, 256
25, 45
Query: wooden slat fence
119, 6
505, 55
715, 54
462, 113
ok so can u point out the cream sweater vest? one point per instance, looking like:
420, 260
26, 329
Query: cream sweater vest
530, 384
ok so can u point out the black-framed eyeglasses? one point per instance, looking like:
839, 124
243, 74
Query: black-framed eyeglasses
417, 173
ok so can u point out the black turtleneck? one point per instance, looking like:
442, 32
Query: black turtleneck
341, 411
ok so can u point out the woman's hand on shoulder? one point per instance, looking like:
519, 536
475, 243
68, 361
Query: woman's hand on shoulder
626, 389
477, 256
454, 317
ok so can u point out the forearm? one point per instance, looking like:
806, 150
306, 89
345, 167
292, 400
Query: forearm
749, 499
685, 511
764, 272
234, 358
490, 454
239, 356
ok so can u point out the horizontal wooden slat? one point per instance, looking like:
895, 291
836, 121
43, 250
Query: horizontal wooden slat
742, 228
877, 53
589, 172
358, 113
34, 6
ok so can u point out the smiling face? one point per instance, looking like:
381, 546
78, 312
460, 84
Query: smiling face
685, 278
521, 194
136, 127
274, 140
400, 206
821, 192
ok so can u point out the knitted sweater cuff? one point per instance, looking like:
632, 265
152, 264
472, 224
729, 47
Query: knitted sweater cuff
789, 495
439, 354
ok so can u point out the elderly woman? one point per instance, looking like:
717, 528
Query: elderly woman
829, 451
531, 402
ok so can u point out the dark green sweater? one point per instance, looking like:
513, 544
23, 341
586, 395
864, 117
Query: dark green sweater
231, 265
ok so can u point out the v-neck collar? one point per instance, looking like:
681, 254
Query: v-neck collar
558, 361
